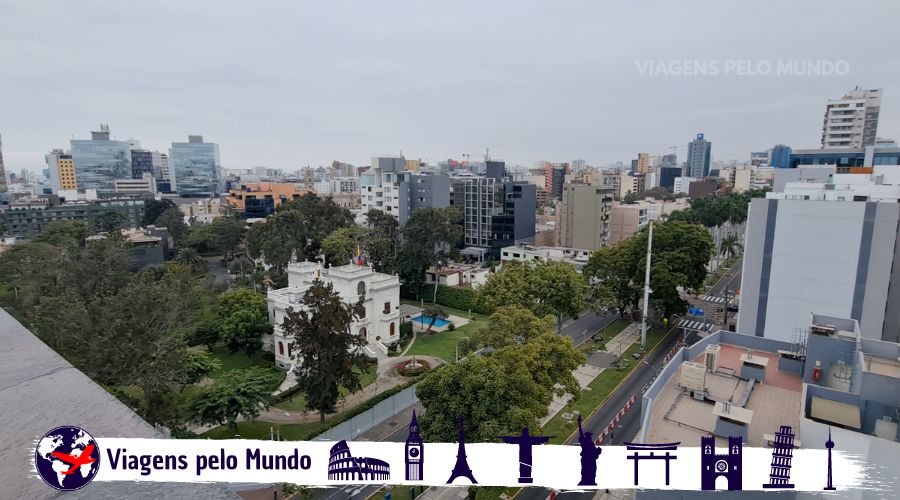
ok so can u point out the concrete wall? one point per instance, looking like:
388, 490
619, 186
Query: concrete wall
804, 257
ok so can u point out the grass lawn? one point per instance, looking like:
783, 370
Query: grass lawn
443, 344
239, 360
600, 389
261, 430
297, 402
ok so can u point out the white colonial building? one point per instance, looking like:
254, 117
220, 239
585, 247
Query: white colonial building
379, 324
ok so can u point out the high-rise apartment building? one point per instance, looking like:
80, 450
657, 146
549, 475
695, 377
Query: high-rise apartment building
100, 161
196, 167
476, 197
141, 163
852, 120
780, 156
698, 155
61, 169
555, 177
824, 246
584, 221
643, 164
3, 185
389, 187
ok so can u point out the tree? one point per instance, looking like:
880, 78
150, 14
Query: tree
64, 233
296, 230
154, 208
173, 220
630, 198
558, 289
239, 393
130, 336
341, 245
325, 350
498, 393
611, 270
383, 241
429, 236
226, 235
189, 257
509, 287
434, 312
729, 246
681, 252
110, 221
510, 325
199, 364
244, 319
28, 271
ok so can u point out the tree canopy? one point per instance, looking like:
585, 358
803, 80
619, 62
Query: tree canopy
680, 254
296, 230
239, 393
716, 210
430, 236
501, 392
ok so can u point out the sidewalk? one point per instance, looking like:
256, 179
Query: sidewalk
586, 373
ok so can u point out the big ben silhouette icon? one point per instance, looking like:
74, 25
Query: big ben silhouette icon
414, 449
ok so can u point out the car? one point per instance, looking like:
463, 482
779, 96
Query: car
732, 307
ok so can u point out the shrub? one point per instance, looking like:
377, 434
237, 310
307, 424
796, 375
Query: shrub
406, 329
268, 356
451, 327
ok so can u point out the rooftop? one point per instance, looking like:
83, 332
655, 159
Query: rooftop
37, 389
675, 416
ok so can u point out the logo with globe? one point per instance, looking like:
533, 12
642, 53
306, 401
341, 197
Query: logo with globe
67, 458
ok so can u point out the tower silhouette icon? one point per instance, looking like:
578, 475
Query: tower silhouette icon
780, 475
713, 465
461, 469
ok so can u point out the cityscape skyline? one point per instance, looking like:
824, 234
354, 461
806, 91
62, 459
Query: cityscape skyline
357, 95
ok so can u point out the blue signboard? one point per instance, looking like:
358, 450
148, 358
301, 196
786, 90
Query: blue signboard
695, 311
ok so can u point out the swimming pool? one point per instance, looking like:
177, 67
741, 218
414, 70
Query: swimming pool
426, 320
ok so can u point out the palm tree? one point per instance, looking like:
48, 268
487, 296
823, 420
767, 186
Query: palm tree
434, 312
730, 246
189, 257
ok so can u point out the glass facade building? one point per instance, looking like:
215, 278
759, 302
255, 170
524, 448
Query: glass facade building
781, 156
195, 165
100, 161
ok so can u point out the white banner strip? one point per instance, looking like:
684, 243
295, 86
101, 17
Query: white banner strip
319, 463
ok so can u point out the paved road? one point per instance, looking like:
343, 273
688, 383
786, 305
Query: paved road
718, 290
360, 492
630, 423
587, 325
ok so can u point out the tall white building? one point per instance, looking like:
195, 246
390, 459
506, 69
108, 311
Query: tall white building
379, 325
824, 246
852, 120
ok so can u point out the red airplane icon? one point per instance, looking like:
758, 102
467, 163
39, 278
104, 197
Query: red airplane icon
83, 459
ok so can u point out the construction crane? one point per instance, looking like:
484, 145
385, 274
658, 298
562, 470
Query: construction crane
487, 156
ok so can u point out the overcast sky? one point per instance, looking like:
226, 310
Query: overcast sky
287, 84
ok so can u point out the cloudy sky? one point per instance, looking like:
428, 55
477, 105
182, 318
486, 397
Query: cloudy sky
293, 83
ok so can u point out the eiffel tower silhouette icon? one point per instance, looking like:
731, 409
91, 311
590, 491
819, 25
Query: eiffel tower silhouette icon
461, 469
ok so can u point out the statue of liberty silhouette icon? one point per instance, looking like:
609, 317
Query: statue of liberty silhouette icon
589, 455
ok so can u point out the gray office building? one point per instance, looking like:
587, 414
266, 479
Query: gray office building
196, 166
698, 155
805, 253
100, 161
420, 191
584, 220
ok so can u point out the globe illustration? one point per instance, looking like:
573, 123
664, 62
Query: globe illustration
67, 458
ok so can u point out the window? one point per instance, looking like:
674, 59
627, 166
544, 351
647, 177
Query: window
361, 288
387, 308
392, 330
362, 332
281, 348
362, 314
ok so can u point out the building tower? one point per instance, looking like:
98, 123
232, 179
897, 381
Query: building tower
3, 185
713, 465
414, 449
780, 473
829, 444
461, 469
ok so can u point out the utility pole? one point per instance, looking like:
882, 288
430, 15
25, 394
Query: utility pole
646, 288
